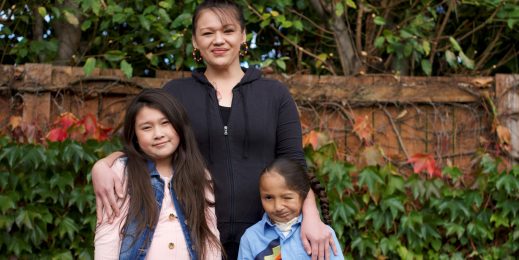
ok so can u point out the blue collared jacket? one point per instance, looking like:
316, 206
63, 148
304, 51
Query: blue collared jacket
262, 238
139, 249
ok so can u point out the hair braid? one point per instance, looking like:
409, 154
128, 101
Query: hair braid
321, 195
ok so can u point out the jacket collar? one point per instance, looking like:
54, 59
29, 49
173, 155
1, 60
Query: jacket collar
251, 74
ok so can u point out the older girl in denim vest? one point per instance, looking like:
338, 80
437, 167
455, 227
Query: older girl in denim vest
168, 209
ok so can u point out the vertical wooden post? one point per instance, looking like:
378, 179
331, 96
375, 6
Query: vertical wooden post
507, 95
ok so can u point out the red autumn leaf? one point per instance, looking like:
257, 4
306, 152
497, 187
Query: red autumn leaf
425, 162
15, 121
66, 120
90, 123
57, 135
362, 128
315, 138
102, 132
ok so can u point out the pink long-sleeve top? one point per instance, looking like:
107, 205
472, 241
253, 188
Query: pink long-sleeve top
168, 239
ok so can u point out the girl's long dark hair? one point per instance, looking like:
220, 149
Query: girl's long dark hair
299, 180
189, 178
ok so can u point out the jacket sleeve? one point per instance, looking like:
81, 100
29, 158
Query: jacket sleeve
289, 142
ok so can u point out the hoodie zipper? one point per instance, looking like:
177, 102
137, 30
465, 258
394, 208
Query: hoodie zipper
230, 171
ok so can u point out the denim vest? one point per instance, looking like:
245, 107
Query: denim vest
139, 249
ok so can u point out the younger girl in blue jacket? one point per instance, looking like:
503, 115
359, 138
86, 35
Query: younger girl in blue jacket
283, 188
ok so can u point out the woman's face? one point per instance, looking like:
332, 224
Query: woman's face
218, 39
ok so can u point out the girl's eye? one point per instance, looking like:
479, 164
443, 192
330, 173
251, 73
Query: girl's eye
228, 31
267, 197
165, 122
207, 33
145, 128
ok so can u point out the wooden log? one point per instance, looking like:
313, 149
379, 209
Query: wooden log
36, 108
507, 95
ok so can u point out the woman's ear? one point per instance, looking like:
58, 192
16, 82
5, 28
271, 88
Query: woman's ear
193, 42
244, 36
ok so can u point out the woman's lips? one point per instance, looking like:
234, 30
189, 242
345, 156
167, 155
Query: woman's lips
219, 51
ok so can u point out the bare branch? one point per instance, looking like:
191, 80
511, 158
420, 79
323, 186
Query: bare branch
440, 31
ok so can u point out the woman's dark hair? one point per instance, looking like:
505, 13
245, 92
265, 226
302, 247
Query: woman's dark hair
189, 179
299, 180
223, 8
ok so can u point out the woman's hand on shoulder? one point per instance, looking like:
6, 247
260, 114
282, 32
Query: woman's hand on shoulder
107, 185
317, 238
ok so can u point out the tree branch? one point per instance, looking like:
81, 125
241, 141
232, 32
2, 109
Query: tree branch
440, 31
300, 48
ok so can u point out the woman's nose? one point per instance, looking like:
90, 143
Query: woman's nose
218, 38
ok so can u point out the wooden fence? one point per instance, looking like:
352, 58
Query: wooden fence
449, 117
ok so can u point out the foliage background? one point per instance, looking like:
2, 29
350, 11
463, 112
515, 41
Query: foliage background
294, 36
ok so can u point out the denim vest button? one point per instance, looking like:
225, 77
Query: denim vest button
171, 245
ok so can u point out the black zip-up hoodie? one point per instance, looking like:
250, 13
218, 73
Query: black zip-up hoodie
263, 125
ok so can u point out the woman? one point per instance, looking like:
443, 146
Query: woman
241, 121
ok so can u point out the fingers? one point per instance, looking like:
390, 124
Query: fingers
118, 188
306, 244
315, 251
334, 247
112, 200
99, 210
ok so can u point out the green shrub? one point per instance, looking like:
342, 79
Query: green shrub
47, 202
379, 213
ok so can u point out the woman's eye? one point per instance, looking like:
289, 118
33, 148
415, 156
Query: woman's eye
228, 31
165, 123
206, 33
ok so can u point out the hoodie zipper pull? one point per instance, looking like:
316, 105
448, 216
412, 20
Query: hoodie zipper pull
225, 130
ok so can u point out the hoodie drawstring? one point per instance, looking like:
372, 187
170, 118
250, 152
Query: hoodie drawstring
209, 128
245, 153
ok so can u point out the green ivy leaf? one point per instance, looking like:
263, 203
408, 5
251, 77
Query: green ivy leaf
455, 44
42, 11
281, 64
114, 55
71, 18
351, 3
126, 68
145, 23
394, 204
379, 42
66, 226
369, 176
339, 9
379, 20
183, 19
451, 59
426, 67
6, 203
89, 66
466, 61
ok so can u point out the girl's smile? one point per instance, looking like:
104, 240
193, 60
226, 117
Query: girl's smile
156, 136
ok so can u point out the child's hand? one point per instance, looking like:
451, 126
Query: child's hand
106, 186
317, 238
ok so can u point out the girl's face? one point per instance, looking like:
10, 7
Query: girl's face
218, 39
280, 203
156, 136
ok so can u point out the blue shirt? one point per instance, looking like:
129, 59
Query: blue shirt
262, 239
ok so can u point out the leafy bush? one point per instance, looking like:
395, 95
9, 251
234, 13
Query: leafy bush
47, 202
380, 213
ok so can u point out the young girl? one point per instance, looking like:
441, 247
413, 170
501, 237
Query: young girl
165, 214
283, 188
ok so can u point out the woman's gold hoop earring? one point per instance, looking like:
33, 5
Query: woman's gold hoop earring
244, 49
198, 58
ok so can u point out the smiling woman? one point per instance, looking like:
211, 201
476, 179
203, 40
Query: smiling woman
242, 122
